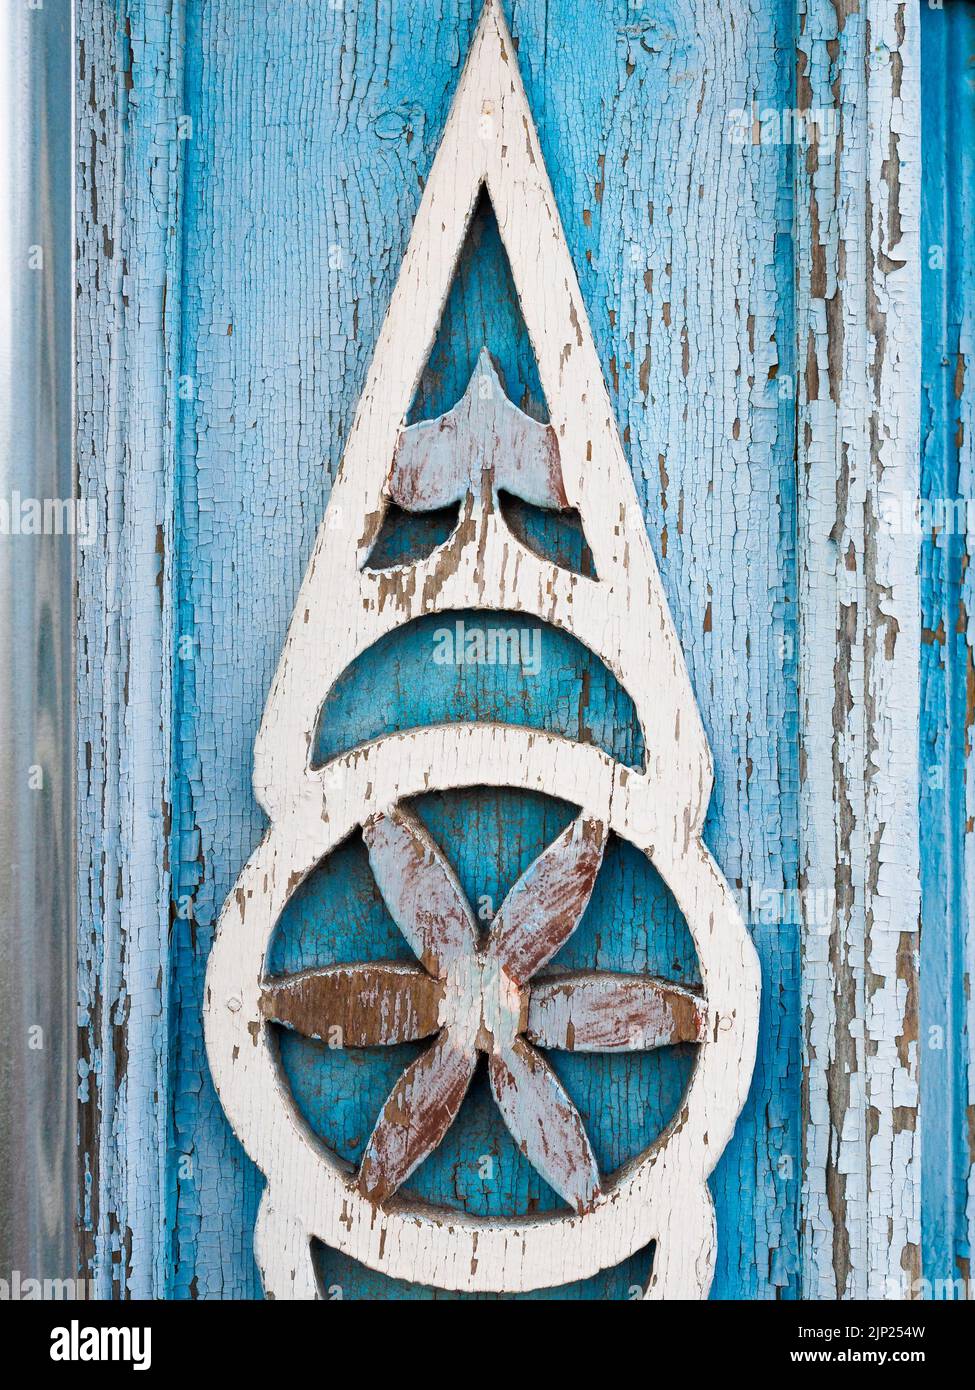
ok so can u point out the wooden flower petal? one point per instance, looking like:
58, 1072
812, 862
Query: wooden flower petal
601, 1012
546, 904
370, 1005
420, 889
544, 1123
421, 1108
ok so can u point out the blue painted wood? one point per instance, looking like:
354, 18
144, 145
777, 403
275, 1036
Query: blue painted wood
342, 1278
311, 131
127, 318
421, 675
948, 685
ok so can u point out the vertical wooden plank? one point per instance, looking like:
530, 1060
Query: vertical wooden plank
129, 86
680, 232
945, 521
858, 296
308, 119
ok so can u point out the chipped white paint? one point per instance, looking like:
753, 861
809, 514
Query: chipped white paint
343, 608
859, 294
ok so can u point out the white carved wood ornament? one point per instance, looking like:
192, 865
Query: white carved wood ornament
471, 996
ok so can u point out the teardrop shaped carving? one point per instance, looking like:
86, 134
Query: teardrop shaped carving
469, 994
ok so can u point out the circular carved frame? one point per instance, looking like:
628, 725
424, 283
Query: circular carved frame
660, 1196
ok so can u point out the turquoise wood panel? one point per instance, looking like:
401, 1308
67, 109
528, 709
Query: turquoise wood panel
544, 679
946, 521
310, 129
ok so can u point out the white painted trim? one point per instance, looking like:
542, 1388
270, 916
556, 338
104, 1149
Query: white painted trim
660, 1197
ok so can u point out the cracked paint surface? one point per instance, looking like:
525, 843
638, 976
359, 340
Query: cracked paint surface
233, 285
859, 610
128, 93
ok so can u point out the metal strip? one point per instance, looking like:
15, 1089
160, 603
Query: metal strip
39, 515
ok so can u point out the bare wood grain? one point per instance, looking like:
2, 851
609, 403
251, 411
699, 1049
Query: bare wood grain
602, 1012
356, 1005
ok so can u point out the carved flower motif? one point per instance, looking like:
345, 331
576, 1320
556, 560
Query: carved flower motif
482, 996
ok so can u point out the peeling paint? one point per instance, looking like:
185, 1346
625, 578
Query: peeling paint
859, 295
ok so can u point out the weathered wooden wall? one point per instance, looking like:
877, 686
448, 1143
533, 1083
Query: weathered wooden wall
248, 175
